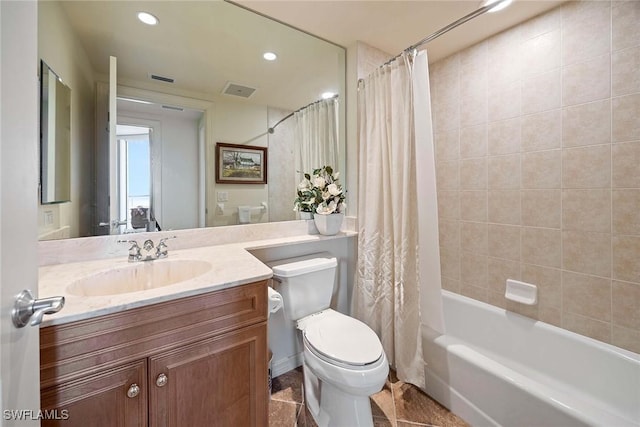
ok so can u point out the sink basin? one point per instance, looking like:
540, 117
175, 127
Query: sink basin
138, 277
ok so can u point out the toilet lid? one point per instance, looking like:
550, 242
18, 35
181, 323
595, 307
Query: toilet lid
344, 339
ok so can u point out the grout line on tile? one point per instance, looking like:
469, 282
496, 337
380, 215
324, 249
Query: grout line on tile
394, 421
284, 400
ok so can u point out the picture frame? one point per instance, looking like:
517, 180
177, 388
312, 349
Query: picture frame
240, 164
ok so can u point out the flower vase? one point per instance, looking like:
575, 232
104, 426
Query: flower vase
311, 226
306, 215
328, 224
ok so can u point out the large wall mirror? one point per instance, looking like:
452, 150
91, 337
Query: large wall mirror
196, 78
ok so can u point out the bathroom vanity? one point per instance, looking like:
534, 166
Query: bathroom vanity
194, 361
180, 341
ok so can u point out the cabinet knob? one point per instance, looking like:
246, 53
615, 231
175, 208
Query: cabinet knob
133, 391
162, 380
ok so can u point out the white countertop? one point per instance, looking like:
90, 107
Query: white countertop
232, 265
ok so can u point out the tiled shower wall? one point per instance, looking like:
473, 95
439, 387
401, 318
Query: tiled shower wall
537, 134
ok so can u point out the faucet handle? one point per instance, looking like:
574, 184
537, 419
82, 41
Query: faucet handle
134, 244
164, 239
134, 250
162, 251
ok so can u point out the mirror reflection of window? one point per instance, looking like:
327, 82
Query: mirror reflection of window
134, 186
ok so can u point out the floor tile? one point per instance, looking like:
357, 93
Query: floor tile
415, 406
392, 376
282, 414
381, 422
382, 406
305, 419
288, 387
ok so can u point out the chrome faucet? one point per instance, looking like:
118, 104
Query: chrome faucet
147, 253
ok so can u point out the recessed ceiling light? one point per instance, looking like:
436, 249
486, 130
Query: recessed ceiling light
270, 56
147, 18
328, 95
498, 7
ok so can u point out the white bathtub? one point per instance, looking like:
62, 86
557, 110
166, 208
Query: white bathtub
494, 367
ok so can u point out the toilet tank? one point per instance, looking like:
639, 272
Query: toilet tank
305, 283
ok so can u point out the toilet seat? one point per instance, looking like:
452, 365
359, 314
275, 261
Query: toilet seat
340, 340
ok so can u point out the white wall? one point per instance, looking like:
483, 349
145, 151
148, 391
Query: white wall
179, 174
60, 49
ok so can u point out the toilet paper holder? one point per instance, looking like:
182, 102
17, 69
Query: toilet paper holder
274, 300
244, 212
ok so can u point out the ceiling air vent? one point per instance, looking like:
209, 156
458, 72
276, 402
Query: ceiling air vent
161, 78
238, 90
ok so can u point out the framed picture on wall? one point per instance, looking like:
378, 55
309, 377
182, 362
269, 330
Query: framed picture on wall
240, 164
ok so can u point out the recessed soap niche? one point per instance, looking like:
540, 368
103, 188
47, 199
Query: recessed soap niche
521, 292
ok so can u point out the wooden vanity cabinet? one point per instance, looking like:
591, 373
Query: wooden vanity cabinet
99, 400
195, 361
225, 365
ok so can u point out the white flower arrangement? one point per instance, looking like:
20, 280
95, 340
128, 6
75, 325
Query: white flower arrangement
320, 193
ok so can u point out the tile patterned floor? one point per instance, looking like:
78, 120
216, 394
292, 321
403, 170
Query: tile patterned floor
397, 405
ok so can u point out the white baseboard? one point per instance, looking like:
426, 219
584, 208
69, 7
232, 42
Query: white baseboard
286, 364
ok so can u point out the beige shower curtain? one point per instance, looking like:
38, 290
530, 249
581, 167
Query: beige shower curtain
316, 133
398, 272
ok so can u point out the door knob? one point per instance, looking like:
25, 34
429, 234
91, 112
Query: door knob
26, 307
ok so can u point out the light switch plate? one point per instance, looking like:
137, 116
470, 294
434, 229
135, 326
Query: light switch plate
48, 218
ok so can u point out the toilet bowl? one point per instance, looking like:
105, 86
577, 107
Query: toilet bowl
343, 365
343, 360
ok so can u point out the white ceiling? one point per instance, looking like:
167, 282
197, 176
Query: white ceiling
394, 25
206, 44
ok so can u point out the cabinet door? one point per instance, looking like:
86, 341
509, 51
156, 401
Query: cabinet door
220, 381
107, 399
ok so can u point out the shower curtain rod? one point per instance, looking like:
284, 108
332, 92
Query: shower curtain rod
481, 11
272, 128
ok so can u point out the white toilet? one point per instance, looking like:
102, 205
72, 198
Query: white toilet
344, 362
